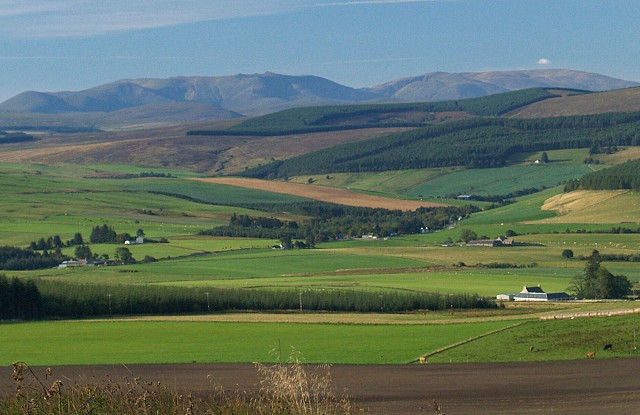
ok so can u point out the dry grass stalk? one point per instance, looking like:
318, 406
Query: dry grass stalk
285, 389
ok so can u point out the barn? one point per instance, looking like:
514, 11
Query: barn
535, 293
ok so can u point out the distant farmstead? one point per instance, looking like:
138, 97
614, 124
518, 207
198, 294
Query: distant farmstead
83, 263
138, 240
535, 293
500, 241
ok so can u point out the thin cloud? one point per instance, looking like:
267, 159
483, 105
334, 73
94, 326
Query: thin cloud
73, 18
77, 18
544, 61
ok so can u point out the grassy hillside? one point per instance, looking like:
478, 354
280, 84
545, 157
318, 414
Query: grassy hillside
620, 100
602, 206
522, 174
41, 201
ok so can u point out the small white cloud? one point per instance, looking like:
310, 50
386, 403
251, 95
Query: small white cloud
544, 61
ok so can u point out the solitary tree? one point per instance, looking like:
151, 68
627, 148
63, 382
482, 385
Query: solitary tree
468, 235
124, 256
597, 282
567, 253
286, 241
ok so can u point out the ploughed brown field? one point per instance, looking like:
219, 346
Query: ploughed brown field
324, 194
607, 386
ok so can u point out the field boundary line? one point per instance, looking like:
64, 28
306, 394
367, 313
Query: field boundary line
469, 340
588, 314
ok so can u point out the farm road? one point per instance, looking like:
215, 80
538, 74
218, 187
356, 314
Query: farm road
596, 386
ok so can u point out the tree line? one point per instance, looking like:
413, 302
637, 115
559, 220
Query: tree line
30, 300
54, 241
18, 259
19, 300
16, 137
622, 176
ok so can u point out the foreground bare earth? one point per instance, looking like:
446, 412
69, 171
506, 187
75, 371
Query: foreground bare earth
595, 386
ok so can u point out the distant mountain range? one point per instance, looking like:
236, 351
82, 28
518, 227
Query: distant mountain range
190, 99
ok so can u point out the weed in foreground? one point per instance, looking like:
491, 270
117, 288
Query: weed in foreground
292, 388
285, 389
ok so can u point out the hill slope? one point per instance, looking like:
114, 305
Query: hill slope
480, 142
622, 100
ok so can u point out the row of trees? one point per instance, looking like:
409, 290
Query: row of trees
105, 234
53, 242
99, 234
83, 300
122, 255
18, 259
29, 300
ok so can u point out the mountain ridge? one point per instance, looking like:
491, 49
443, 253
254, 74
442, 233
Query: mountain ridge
257, 94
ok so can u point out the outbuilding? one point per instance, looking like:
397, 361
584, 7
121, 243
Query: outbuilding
534, 293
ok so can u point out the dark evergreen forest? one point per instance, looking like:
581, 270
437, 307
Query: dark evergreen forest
475, 143
622, 176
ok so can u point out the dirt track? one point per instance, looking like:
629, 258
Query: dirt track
325, 194
596, 386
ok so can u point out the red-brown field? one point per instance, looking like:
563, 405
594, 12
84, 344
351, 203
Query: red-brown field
595, 386
325, 194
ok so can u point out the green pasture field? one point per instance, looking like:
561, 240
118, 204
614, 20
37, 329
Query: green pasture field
390, 182
441, 182
239, 266
41, 201
487, 283
527, 208
566, 339
574, 156
499, 181
51, 200
605, 242
241, 263
180, 246
64, 343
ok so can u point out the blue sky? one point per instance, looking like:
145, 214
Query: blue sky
53, 45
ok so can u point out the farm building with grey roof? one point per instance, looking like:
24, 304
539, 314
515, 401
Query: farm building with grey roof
535, 293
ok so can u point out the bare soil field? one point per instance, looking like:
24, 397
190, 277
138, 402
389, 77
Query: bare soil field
592, 386
324, 194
